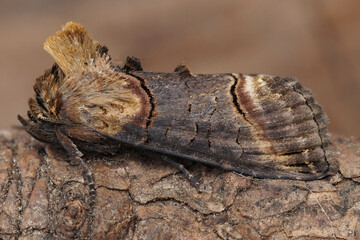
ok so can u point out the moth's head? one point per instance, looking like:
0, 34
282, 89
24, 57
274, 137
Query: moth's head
73, 50
83, 88
47, 101
44, 107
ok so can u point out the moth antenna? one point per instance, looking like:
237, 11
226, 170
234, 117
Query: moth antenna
73, 48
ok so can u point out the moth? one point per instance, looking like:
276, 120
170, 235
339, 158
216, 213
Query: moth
254, 124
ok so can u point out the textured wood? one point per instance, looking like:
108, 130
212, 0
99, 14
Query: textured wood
43, 196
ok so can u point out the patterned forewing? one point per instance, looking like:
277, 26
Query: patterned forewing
256, 125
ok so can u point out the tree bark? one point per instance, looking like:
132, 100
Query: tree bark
138, 196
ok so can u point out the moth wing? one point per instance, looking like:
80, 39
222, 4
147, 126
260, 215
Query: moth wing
280, 132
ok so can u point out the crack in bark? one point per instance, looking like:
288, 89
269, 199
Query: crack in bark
16, 178
51, 186
177, 172
18, 185
184, 203
112, 189
172, 199
9, 182
162, 199
321, 207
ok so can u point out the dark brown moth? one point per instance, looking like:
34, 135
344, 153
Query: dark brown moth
255, 125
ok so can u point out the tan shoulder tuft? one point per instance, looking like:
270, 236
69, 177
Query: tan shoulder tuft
72, 48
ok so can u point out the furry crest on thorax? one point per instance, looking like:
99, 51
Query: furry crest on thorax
82, 87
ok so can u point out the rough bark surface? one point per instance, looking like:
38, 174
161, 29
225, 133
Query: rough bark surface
43, 196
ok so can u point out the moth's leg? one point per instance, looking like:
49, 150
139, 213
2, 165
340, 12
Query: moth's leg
183, 169
71, 148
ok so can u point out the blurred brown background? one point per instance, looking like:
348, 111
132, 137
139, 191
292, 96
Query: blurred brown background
317, 42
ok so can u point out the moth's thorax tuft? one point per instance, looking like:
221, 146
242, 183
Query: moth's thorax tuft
83, 88
72, 48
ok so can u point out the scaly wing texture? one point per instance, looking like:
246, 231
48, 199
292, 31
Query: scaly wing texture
257, 125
